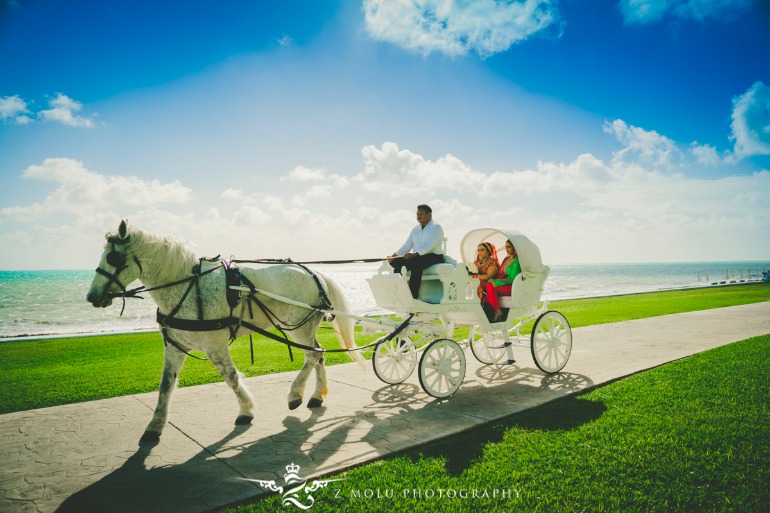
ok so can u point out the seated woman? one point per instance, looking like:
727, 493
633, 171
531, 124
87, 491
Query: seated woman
486, 263
501, 285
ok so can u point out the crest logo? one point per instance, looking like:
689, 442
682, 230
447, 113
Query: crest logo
297, 490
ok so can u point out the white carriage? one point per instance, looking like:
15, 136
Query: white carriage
448, 299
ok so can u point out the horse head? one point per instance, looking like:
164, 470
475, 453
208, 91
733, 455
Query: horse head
118, 267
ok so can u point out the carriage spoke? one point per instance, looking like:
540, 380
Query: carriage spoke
436, 384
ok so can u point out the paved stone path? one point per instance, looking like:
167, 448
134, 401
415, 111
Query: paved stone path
86, 457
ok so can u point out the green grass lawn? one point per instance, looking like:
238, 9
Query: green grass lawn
37, 374
688, 436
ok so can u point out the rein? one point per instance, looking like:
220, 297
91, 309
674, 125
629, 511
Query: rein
290, 261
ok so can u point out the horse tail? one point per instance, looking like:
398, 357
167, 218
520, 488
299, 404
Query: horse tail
343, 325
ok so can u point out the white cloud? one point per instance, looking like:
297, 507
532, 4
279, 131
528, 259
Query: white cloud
305, 174
751, 122
647, 146
232, 194
586, 173
708, 155
81, 192
644, 11
315, 193
457, 27
399, 172
661, 196
650, 11
405, 173
14, 109
252, 215
63, 110
585, 210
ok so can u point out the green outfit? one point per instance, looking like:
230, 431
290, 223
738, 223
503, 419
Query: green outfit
508, 273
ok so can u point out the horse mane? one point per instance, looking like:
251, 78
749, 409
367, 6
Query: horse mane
169, 257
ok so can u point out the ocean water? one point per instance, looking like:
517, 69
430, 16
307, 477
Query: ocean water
47, 303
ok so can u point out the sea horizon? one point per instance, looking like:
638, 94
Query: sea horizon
651, 262
51, 303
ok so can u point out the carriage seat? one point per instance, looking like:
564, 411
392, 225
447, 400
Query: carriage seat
438, 269
440, 283
525, 293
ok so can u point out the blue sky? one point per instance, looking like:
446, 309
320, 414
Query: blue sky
608, 131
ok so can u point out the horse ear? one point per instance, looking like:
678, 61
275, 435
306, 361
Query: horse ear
122, 229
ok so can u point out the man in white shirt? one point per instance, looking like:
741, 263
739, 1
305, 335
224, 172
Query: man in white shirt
421, 250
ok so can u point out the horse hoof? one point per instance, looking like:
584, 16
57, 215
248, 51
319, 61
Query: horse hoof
315, 403
149, 436
293, 405
243, 420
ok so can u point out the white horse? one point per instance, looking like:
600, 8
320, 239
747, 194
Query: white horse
159, 260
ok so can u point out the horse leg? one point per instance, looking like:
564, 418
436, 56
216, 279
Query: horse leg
298, 385
321, 385
173, 359
224, 364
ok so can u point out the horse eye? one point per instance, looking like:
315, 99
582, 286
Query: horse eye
116, 259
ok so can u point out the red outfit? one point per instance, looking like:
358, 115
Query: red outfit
493, 292
483, 268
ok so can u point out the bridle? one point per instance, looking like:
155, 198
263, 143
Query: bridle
120, 262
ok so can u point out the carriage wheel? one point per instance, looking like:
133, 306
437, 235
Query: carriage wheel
551, 342
486, 347
442, 368
394, 360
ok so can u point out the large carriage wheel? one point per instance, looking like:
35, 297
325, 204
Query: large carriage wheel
551, 342
486, 347
442, 368
394, 360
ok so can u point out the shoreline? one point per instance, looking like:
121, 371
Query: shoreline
88, 334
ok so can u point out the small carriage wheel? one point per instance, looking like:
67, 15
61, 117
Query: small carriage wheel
442, 368
551, 342
394, 360
486, 347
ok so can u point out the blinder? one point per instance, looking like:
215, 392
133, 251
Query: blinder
116, 260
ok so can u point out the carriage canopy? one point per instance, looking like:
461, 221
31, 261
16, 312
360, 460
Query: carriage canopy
529, 254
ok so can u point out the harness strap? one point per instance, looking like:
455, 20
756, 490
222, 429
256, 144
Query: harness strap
169, 340
326, 303
291, 343
167, 321
181, 301
271, 316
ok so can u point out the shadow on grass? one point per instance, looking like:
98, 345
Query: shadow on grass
462, 450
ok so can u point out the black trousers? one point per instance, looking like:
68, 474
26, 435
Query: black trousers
416, 266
